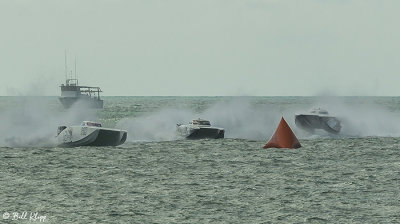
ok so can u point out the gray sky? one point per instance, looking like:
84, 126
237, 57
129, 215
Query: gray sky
202, 47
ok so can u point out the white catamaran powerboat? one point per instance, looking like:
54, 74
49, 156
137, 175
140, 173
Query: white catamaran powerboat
89, 134
199, 128
318, 119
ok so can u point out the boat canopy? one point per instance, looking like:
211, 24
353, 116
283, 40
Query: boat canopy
319, 111
200, 122
90, 123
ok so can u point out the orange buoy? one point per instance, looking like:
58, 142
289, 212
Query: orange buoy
283, 137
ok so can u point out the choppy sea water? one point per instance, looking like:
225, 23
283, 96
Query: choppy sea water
157, 178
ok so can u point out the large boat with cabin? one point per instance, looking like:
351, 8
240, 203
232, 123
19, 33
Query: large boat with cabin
72, 92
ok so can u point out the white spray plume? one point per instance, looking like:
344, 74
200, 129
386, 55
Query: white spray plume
240, 118
32, 123
158, 126
362, 118
243, 119
246, 119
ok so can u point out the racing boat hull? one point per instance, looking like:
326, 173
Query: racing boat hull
310, 122
198, 133
90, 136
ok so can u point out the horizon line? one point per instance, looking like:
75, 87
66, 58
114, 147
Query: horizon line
214, 96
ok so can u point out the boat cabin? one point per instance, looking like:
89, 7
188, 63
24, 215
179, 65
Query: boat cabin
200, 122
73, 89
90, 124
319, 111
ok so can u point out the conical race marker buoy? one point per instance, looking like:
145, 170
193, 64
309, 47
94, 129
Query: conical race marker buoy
283, 137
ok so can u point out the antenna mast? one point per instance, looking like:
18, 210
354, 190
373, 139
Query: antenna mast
75, 67
66, 70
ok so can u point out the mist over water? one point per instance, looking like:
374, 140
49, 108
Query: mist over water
364, 118
153, 178
33, 123
239, 118
158, 126
242, 118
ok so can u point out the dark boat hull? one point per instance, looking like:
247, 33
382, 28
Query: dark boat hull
109, 138
312, 122
67, 102
214, 133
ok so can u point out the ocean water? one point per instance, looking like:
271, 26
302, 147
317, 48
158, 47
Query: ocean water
156, 177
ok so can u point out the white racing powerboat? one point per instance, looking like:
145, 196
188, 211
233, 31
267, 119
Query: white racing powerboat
318, 119
199, 128
89, 134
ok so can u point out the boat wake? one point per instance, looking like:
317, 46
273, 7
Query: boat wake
240, 119
33, 124
362, 119
368, 121
243, 119
158, 126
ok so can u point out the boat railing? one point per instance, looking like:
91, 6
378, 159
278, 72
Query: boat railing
91, 91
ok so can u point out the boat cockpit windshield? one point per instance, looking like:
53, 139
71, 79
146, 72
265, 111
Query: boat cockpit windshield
60, 129
200, 122
319, 111
92, 124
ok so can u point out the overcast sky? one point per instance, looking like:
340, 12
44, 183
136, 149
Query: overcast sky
202, 47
